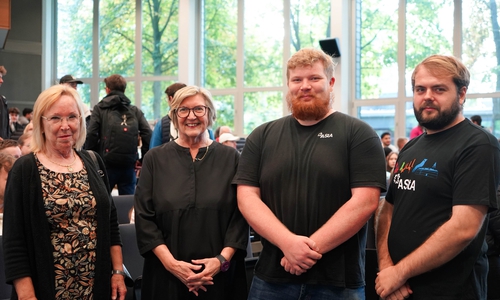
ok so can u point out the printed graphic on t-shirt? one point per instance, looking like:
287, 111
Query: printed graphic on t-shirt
423, 168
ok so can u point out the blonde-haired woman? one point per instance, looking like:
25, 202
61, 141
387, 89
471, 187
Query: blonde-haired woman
61, 237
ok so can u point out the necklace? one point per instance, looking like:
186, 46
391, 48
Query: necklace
70, 168
200, 159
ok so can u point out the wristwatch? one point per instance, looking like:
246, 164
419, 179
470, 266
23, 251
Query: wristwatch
224, 264
119, 272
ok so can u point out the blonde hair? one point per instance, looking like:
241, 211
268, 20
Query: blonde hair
44, 101
444, 66
308, 57
190, 91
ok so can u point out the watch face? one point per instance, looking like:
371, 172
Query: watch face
225, 266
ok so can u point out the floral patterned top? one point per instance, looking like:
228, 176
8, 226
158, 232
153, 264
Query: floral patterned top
70, 208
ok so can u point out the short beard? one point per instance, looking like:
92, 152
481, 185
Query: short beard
315, 110
444, 118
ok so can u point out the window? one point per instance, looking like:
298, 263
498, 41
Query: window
141, 49
384, 64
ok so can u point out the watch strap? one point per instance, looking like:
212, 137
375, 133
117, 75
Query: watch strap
119, 272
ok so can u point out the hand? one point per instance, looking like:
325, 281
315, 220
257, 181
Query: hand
184, 270
301, 254
118, 287
401, 293
388, 281
205, 277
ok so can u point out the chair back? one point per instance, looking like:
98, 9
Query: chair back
132, 259
123, 204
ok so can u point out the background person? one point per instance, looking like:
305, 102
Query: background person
431, 225
386, 140
308, 183
10, 147
69, 80
114, 130
416, 131
16, 128
164, 131
228, 139
189, 229
60, 237
24, 142
220, 130
401, 143
6, 162
4, 110
476, 119
27, 116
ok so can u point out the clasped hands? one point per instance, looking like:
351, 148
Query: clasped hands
301, 254
390, 284
190, 275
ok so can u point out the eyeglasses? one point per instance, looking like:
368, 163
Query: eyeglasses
199, 111
73, 119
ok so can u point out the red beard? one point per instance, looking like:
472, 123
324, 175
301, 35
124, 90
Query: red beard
315, 109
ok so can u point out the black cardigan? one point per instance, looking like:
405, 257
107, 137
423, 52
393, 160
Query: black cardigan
26, 233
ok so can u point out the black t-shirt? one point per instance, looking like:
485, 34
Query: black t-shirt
458, 166
305, 174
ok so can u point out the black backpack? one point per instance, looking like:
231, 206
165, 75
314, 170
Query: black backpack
120, 138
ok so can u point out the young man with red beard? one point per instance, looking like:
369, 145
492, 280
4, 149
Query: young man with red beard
308, 183
431, 225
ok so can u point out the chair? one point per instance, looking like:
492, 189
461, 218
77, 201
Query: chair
132, 259
240, 144
5, 289
123, 204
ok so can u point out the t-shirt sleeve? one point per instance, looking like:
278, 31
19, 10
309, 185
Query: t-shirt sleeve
476, 176
366, 158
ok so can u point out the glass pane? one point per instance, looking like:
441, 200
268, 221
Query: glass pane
224, 104
159, 37
429, 30
261, 107
220, 22
263, 43
74, 38
84, 91
116, 38
479, 46
376, 49
380, 118
152, 90
411, 121
486, 108
309, 23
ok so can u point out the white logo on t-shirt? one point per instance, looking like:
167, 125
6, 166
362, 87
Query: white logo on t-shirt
325, 135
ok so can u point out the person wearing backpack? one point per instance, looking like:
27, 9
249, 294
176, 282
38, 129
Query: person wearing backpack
113, 131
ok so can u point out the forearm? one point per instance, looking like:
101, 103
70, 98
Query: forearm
382, 226
228, 253
445, 243
165, 256
24, 288
116, 257
348, 220
261, 218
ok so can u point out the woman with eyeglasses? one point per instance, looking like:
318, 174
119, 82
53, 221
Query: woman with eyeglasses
189, 228
60, 236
